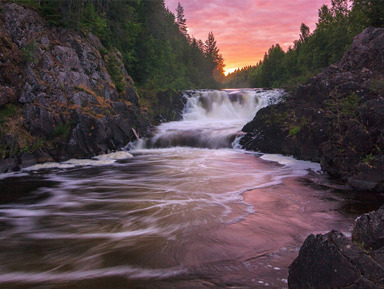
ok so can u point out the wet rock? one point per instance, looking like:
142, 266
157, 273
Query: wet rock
334, 261
42, 157
7, 165
369, 230
27, 160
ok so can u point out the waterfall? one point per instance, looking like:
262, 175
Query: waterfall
212, 118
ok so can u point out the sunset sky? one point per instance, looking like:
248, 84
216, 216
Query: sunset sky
245, 29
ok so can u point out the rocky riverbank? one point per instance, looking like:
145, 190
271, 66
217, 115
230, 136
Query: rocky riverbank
335, 261
336, 118
64, 95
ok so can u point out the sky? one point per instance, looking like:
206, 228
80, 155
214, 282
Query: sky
246, 29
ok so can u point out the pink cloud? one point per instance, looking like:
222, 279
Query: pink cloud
245, 29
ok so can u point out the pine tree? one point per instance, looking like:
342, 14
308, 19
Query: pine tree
213, 55
373, 11
305, 32
180, 20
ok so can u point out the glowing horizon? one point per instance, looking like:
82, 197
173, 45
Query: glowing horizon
246, 29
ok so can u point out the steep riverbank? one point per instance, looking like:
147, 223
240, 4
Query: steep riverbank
63, 95
335, 118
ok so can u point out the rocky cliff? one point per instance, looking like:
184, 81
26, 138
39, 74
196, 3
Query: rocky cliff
62, 94
336, 118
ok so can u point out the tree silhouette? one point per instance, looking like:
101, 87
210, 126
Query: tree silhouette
180, 19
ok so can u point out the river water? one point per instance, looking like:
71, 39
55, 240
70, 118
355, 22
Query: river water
190, 209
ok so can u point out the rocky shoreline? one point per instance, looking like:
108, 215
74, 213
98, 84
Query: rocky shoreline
64, 95
335, 261
336, 118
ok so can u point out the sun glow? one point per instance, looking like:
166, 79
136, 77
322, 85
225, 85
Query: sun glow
229, 70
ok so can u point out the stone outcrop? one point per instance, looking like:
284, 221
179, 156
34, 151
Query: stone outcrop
334, 261
58, 97
336, 118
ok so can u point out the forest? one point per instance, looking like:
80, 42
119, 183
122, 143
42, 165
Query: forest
157, 51
335, 29
159, 54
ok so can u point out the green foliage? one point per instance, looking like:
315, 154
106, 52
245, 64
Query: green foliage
370, 12
103, 51
62, 130
377, 85
9, 149
29, 52
341, 108
7, 111
368, 159
336, 27
78, 88
93, 22
294, 131
32, 147
349, 105
26, 3
51, 11
115, 73
155, 46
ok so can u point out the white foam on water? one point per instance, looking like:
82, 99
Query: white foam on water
291, 162
101, 160
112, 235
215, 105
12, 174
211, 118
123, 271
119, 155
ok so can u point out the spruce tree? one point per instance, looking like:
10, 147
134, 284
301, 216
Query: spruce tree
180, 19
213, 55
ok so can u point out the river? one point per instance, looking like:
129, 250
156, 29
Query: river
190, 209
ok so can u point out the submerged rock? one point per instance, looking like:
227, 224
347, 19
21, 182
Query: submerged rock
334, 261
336, 118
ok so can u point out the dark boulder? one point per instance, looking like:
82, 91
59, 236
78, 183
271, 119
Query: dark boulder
369, 230
334, 261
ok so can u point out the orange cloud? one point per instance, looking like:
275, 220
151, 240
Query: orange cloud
245, 29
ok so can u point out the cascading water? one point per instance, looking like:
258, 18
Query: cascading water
212, 118
191, 213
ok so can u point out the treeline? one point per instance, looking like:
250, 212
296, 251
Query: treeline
157, 51
335, 29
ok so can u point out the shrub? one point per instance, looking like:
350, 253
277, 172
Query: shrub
29, 52
294, 131
115, 73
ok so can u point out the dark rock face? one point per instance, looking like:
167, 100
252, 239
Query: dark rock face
336, 118
369, 230
57, 98
166, 105
334, 261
